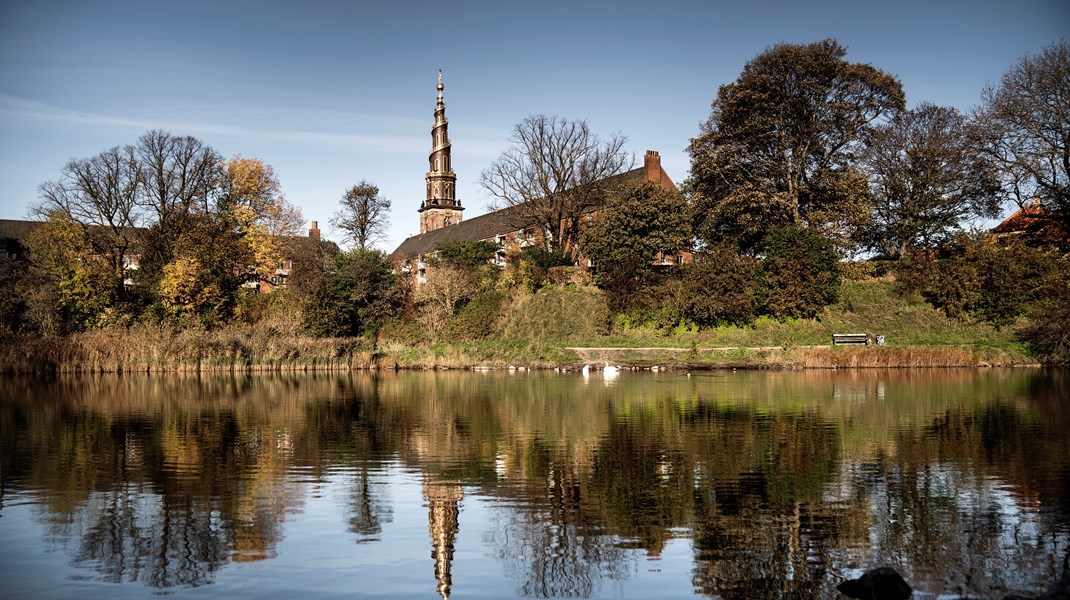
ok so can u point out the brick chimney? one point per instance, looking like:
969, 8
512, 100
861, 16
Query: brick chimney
652, 166
314, 232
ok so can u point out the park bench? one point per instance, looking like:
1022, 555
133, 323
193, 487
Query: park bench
850, 339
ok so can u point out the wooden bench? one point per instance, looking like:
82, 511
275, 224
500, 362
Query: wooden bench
850, 339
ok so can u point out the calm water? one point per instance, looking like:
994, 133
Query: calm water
417, 485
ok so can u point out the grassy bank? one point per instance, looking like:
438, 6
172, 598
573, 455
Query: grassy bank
557, 326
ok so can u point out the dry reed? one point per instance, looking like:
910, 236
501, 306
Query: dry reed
148, 349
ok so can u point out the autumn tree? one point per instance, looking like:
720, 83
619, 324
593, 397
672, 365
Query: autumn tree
252, 206
778, 146
925, 178
68, 285
364, 215
555, 171
1023, 126
633, 230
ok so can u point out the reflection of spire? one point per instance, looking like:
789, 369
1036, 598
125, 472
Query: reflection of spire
442, 511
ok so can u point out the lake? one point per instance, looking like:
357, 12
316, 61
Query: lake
730, 484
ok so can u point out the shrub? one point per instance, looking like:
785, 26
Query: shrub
955, 286
870, 269
547, 259
477, 319
720, 287
1049, 334
470, 254
799, 272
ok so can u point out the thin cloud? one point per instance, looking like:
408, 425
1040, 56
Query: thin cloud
15, 109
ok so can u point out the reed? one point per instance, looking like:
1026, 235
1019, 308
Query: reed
156, 349
906, 357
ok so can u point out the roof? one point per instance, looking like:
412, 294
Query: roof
1032, 220
485, 226
17, 229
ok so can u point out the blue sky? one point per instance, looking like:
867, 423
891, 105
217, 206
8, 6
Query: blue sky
333, 92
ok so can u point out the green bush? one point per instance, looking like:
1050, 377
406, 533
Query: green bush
471, 254
799, 272
547, 259
720, 287
992, 283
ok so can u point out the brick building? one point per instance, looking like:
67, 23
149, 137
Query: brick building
441, 213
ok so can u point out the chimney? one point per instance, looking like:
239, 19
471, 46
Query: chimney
652, 166
314, 232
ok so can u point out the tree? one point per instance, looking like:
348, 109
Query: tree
364, 216
1023, 125
364, 292
633, 229
251, 205
778, 146
68, 285
100, 196
553, 174
925, 178
180, 175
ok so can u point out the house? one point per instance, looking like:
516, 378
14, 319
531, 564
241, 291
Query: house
441, 214
1036, 226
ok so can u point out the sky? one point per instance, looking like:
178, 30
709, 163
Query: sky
330, 93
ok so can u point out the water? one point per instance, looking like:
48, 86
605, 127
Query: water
489, 485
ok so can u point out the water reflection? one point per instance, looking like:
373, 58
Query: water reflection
783, 484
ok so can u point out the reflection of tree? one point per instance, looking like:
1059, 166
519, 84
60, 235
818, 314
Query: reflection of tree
761, 527
133, 537
550, 538
642, 484
368, 510
161, 482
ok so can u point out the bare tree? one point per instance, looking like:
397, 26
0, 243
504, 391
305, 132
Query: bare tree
555, 171
101, 195
181, 176
364, 215
1024, 126
181, 173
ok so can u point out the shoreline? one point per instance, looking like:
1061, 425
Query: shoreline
221, 352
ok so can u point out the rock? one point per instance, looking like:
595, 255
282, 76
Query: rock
884, 583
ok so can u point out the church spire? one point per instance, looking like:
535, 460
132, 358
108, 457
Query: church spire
441, 207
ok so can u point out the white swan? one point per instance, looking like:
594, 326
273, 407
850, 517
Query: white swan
586, 370
610, 369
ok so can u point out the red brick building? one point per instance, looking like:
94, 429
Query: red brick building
441, 214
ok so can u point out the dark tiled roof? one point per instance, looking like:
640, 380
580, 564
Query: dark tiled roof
17, 229
488, 225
